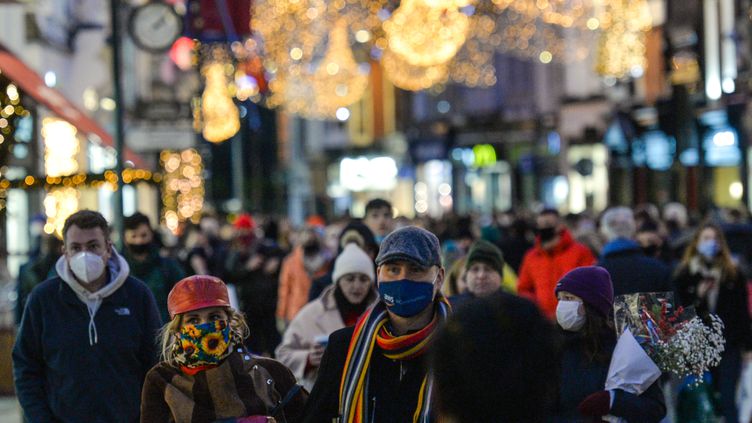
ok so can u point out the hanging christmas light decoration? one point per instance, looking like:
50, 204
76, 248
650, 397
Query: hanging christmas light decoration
61, 147
420, 44
426, 35
220, 118
183, 187
621, 48
559, 29
59, 204
410, 77
339, 81
474, 64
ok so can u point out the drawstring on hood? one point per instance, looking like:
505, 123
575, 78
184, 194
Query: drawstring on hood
118, 273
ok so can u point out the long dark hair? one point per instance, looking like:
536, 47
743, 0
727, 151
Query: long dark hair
597, 333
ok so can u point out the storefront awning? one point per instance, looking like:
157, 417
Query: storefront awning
32, 84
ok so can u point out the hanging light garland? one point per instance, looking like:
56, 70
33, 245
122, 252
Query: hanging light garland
621, 48
419, 43
220, 119
339, 81
183, 187
410, 77
12, 113
426, 34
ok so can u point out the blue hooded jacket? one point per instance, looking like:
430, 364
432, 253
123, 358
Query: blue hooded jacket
79, 363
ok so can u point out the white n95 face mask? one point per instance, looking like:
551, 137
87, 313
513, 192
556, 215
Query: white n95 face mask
87, 266
568, 316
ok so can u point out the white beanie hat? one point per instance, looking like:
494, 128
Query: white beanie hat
352, 259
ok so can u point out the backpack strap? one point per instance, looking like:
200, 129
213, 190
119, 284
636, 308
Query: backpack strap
290, 395
263, 384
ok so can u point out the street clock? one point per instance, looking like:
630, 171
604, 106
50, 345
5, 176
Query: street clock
155, 26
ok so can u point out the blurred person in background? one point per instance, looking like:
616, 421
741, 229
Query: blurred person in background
585, 316
494, 362
455, 242
354, 232
307, 261
484, 273
554, 253
37, 270
205, 251
738, 232
339, 306
159, 273
254, 265
456, 284
583, 229
652, 243
630, 269
516, 243
646, 212
708, 279
678, 233
379, 217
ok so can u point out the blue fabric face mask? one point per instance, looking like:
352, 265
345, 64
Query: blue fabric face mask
709, 248
406, 297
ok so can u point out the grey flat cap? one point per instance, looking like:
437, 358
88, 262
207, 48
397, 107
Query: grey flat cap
413, 244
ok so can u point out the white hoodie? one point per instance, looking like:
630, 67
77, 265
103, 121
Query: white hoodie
119, 271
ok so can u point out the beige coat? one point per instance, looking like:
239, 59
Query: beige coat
319, 317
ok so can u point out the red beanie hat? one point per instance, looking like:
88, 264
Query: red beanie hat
244, 221
315, 220
197, 292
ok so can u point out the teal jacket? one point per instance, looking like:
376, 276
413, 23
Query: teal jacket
160, 274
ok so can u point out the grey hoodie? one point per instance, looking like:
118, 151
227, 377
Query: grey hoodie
118, 271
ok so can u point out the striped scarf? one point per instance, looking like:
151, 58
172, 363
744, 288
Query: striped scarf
369, 331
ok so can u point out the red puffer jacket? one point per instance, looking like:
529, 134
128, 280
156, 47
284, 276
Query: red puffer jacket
541, 270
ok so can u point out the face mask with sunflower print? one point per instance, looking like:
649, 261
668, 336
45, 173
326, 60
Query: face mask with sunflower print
204, 344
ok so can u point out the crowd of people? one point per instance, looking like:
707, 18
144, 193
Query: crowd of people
504, 318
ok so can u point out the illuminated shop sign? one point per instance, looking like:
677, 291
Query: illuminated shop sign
481, 155
368, 174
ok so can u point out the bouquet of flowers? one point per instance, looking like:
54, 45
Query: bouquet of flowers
656, 337
676, 339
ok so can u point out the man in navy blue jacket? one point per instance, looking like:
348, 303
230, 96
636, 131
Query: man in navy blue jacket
87, 337
631, 270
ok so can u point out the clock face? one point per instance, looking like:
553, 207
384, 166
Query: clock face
155, 26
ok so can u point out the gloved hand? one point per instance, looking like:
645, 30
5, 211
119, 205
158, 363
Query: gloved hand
596, 404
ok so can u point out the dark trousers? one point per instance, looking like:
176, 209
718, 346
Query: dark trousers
725, 379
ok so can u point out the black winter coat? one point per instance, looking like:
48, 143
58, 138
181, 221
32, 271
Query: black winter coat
580, 377
732, 306
392, 386
632, 271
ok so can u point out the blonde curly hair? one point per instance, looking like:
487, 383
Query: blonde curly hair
168, 334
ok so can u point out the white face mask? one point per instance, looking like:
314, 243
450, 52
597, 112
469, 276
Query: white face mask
87, 266
568, 316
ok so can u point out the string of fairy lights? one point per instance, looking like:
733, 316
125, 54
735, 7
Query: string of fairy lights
312, 57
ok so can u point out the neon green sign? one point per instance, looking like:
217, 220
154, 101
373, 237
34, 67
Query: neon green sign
484, 155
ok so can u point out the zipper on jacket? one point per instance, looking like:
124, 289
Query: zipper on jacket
373, 409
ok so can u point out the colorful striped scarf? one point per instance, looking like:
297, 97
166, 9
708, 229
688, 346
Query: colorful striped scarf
369, 331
